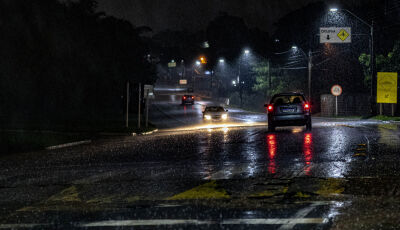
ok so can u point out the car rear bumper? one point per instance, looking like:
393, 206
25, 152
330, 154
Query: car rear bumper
287, 120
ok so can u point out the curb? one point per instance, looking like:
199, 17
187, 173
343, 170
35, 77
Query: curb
68, 144
145, 133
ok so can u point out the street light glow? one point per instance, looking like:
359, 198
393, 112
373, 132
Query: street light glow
221, 60
333, 9
246, 51
294, 47
198, 63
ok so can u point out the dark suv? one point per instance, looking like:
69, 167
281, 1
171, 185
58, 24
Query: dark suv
288, 109
187, 99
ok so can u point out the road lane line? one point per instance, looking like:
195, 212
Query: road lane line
16, 226
299, 215
157, 222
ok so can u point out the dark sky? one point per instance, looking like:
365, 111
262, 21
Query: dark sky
194, 14
191, 14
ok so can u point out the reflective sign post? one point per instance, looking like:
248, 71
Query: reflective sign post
386, 90
336, 91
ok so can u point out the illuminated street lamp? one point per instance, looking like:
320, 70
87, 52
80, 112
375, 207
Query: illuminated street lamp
371, 42
221, 60
203, 60
246, 53
309, 60
198, 63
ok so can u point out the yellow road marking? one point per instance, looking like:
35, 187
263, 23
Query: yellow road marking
330, 186
208, 190
270, 192
67, 195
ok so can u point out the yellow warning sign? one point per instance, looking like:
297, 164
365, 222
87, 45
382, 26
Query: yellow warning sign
387, 88
343, 34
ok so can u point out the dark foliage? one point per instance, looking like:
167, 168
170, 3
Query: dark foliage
62, 61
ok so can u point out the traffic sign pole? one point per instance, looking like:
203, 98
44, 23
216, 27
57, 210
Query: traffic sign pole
336, 91
336, 107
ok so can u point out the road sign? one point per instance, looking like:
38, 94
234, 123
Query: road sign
183, 82
335, 35
387, 88
148, 92
336, 90
171, 64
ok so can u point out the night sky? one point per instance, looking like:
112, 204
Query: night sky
194, 14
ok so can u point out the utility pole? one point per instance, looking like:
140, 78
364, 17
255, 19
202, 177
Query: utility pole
147, 108
239, 83
372, 62
140, 94
309, 74
269, 74
127, 105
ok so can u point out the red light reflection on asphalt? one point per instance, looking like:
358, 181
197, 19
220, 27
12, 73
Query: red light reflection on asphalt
308, 150
271, 141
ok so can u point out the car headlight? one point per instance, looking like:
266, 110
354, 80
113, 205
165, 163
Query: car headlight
207, 117
224, 116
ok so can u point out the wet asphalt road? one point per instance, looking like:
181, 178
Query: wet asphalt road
192, 175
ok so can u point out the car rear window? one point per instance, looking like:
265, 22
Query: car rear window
215, 109
290, 99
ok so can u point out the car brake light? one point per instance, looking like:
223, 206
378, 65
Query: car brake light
192, 97
270, 108
184, 98
306, 106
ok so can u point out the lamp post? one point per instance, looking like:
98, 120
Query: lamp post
310, 65
246, 52
371, 47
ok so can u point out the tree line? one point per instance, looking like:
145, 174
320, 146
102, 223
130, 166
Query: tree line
61, 61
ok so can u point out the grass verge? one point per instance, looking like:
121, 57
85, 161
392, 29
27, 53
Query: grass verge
385, 118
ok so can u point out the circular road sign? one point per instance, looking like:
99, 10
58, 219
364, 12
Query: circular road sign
336, 90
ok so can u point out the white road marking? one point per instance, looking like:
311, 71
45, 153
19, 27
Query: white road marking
299, 215
16, 226
156, 222
228, 172
68, 144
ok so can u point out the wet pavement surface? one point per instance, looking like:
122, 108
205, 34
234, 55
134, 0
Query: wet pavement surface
344, 174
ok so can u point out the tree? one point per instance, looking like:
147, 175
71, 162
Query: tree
388, 63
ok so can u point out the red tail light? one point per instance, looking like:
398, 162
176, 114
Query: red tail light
270, 108
192, 97
306, 106
184, 98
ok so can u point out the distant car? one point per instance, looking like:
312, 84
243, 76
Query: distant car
187, 99
288, 109
215, 113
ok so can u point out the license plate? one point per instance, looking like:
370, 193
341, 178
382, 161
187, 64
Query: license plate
288, 110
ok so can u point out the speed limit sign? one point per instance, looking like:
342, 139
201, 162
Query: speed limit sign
336, 90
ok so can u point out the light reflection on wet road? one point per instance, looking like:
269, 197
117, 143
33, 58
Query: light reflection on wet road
238, 176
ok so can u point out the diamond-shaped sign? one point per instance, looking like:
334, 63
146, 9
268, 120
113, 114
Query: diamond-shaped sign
335, 35
343, 34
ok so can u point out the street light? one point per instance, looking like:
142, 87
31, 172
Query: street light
371, 45
309, 60
221, 60
246, 53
